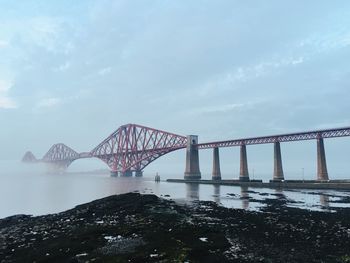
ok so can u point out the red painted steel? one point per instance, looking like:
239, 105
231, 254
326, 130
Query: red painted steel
60, 156
29, 157
299, 136
60, 152
133, 147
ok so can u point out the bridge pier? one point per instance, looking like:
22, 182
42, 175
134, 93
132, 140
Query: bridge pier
243, 173
278, 168
322, 173
216, 174
192, 159
127, 173
138, 173
114, 173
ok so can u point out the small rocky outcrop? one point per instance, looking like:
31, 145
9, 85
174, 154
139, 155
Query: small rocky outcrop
144, 228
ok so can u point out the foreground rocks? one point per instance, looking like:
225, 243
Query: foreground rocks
144, 228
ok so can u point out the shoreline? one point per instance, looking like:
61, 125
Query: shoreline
145, 228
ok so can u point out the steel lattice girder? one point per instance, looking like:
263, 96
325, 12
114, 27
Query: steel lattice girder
29, 157
311, 135
60, 152
133, 147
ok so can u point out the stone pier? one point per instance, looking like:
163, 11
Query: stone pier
216, 174
322, 173
127, 173
192, 159
278, 168
243, 173
114, 173
138, 173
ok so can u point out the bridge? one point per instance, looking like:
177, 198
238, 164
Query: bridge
132, 147
126, 151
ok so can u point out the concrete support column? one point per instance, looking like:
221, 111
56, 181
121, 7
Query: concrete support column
278, 169
192, 159
127, 173
243, 173
138, 173
114, 173
216, 174
322, 173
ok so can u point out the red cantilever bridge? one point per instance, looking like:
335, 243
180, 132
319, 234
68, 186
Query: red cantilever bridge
129, 149
132, 147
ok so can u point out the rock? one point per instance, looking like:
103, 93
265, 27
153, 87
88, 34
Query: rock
130, 226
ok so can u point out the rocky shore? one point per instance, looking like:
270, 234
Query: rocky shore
144, 228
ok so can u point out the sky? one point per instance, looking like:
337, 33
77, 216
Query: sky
73, 72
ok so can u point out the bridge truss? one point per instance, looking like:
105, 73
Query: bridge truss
300, 136
132, 147
60, 155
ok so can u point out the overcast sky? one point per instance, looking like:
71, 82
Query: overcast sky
74, 71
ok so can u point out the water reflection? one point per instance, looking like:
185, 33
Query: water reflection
279, 193
245, 197
324, 200
58, 192
192, 191
216, 195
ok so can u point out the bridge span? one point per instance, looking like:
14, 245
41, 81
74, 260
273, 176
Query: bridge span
132, 147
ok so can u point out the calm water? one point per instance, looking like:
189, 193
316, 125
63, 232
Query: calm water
35, 192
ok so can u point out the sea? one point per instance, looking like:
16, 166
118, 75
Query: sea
35, 191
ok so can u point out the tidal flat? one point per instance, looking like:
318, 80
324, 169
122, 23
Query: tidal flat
145, 228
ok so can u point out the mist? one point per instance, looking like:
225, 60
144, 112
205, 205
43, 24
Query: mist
223, 70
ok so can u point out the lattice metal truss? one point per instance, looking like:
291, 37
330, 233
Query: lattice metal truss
132, 147
29, 157
60, 153
310, 135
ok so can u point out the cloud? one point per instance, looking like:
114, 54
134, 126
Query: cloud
266, 67
105, 71
219, 108
63, 67
49, 102
3, 43
305, 50
5, 85
44, 31
5, 101
332, 39
324, 43
241, 74
341, 123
